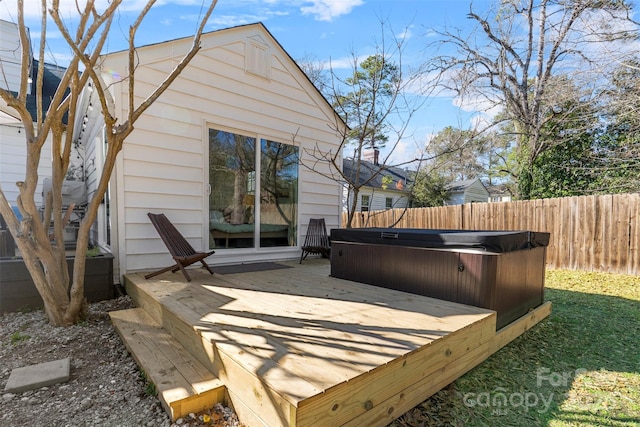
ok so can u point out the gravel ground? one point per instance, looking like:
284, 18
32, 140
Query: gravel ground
105, 389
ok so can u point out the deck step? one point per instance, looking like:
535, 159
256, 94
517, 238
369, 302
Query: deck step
183, 384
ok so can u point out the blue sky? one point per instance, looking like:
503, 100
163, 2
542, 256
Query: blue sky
322, 29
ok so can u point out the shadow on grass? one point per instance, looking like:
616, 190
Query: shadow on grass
580, 366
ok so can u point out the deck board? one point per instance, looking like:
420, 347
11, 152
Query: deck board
308, 349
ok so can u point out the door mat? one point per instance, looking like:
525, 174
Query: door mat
250, 267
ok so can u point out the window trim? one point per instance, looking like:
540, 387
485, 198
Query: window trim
365, 207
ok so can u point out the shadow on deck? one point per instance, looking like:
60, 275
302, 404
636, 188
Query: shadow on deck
296, 347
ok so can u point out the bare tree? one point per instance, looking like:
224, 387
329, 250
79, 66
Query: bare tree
458, 154
46, 261
617, 165
315, 70
376, 101
512, 59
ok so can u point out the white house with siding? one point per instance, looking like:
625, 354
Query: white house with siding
499, 193
383, 187
467, 191
217, 152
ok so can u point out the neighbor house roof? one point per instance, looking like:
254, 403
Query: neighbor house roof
50, 82
401, 177
462, 185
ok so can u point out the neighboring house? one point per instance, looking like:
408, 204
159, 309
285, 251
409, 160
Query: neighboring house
467, 191
499, 193
390, 189
217, 154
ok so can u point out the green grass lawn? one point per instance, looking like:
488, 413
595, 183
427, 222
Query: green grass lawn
578, 367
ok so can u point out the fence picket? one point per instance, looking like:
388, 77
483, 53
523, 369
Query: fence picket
634, 234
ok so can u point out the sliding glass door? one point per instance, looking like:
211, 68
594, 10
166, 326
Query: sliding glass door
278, 193
254, 192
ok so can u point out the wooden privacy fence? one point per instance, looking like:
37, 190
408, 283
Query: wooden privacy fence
593, 233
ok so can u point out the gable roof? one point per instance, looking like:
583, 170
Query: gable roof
461, 186
369, 169
264, 29
301, 71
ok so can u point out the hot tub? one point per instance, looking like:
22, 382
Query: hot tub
498, 270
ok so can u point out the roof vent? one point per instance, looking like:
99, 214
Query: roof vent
257, 58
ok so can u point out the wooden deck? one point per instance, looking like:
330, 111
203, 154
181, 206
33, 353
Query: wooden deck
295, 347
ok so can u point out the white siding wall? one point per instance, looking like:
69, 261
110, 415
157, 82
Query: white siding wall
456, 199
163, 164
92, 167
378, 199
499, 198
11, 56
474, 193
13, 160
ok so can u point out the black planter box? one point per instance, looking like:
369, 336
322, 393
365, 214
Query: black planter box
17, 291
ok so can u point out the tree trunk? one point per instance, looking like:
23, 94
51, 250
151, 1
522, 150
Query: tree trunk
50, 277
525, 161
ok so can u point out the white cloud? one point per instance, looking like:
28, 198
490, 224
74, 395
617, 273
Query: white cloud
484, 110
406, 34
344, 63
475, 103
9, 9
327, 10
594, 30
405, 154
32, 9
225, 21
339, 64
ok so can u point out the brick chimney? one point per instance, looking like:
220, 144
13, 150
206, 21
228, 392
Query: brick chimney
372, 156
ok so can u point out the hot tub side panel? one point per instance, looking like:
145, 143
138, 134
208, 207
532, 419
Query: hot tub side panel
402, 268
510, 283
519, 284
476, 271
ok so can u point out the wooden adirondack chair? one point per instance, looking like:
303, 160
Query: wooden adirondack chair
181, 251
317, 240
